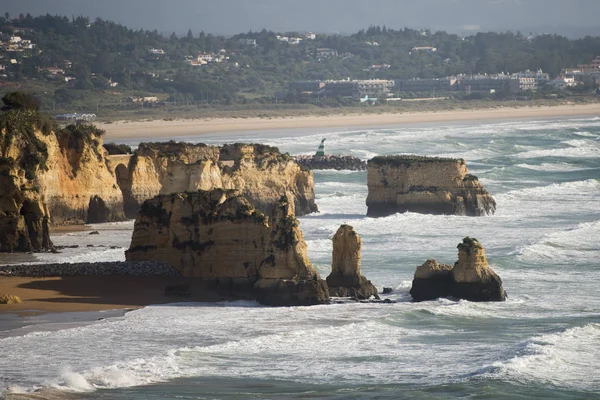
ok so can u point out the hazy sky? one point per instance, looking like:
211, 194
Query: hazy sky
572, 17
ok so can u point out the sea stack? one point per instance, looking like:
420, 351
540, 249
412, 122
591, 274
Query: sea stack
428, 185
471, 278
220, 237
345, 279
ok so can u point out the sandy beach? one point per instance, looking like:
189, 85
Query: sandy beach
189, 127
91, 293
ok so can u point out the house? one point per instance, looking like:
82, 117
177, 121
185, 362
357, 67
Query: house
15, 39
425, 49
325, 52
247, 42
157, 52
309, 36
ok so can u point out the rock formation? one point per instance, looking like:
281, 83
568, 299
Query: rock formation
345, 279
332, 162
471, 278
50, 176
24, 217
10, 299
425, 185
259, 173
218, 235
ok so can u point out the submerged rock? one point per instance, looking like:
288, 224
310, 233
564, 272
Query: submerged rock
425, 185
345, 279
218, 235
471, 278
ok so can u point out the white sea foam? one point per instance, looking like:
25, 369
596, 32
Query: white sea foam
563, 359
552, 167
580, 244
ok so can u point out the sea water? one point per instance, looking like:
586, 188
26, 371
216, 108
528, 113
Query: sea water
543, 342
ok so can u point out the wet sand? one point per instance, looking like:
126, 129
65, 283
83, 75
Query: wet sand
189, 127
92, 293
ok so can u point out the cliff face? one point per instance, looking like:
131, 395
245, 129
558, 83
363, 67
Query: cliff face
345, 279
471, 278
260, 173
24, 217
50, 175
218, 235
78, 186
425, 185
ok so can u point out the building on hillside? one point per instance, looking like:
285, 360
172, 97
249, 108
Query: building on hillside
563, 82
247, 42
309, 36
426, 85
157, 52
325, 52
488, 83
358, 88
541, 78
425, 49
77, 118
306, 87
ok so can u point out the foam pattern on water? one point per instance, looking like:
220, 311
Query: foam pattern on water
542, 241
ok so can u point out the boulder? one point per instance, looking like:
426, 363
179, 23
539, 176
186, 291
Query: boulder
10, 299
427, 185
345, 279
470, 278
219, 236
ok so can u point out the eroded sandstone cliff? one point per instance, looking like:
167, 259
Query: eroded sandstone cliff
345, 279
471, 278
218, 235
50, 176
260, 173
425, 185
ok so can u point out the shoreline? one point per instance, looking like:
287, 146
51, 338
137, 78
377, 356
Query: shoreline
124, 130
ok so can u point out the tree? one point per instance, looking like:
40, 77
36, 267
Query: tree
20, 101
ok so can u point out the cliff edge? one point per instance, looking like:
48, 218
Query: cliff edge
425, 185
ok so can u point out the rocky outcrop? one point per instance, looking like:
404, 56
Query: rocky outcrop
10, 299
218, 235
24, 216
338, 163
425, 185
345, 279
471, 278
259, 173
51, 176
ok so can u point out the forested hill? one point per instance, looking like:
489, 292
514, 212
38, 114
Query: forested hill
101, 54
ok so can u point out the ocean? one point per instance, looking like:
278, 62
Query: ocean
543, 241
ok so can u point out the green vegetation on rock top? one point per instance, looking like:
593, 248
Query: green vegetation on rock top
408, 160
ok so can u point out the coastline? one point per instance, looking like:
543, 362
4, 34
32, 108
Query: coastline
42, 295
123, 130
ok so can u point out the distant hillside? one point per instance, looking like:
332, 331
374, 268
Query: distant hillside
75, 56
